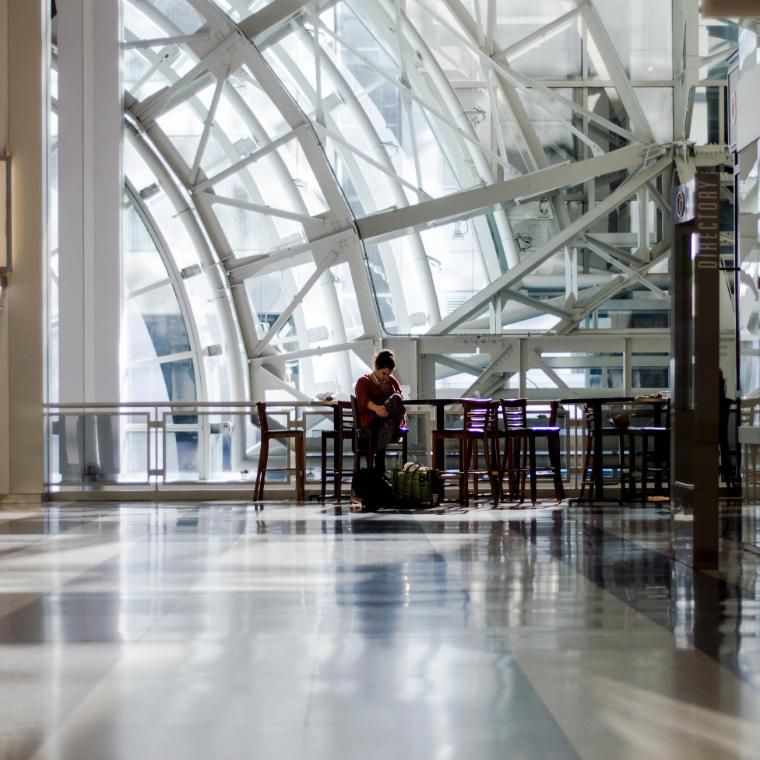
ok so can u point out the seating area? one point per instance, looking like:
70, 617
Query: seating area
488, 451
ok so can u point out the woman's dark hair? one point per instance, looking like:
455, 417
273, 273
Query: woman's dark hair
385, 359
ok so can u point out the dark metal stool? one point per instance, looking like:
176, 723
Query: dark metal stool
478, 427
519, 459
343, 430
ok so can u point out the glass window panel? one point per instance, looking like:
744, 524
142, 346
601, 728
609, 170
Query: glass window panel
271, 293
250, 233
267, 115
606, 103
142, 264
154, 325
171, 224
181, 455
294, 65
139, 74
179, 379
558, 56
367, 188
144, 381
142, 25
550, 121
283, 180
348, 301
657, 103
388, 290
205, 312
456, 260
218, 386
302, 178
135, 452
180, 13
183, 125
238, 10
642, 36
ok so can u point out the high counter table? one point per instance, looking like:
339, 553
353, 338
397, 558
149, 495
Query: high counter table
440, 405
596, 403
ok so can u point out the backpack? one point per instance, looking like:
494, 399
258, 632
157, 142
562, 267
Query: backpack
372, 488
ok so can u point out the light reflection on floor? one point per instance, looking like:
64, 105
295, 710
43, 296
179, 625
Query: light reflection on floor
223, 631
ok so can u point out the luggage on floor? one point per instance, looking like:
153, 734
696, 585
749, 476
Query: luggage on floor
372, 489
416, 487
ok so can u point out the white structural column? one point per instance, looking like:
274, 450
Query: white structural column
90, 188
23, 135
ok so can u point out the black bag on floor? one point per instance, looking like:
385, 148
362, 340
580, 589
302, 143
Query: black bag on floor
372, 488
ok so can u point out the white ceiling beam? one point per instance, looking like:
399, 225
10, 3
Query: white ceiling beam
611, 202
248, 160
534, 39
538, 361
612, 257
533, 88
164, 41
207, 124
272, 17
360, 346
496, 365
606, 292
468, 202
261, 208
294, 303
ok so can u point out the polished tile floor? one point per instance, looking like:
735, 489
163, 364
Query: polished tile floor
220, 631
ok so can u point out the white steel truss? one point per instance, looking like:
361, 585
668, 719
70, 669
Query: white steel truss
421, 174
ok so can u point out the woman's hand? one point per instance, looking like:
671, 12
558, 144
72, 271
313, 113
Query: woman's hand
378, 409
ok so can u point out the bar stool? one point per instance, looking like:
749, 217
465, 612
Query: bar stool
519, 460
283, 434
617, 431
343, 430
478, 427
655, 454
363, 444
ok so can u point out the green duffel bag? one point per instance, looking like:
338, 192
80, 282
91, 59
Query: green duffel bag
416, 487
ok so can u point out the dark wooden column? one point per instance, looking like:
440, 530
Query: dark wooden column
695, 349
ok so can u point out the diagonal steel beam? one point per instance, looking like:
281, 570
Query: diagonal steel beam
295, 302
611, 202
532, 87
604, 293
261, 208
488, 372
271, 17
207, 124
469, 202
616, 71
612, 255
528, 43
540, 363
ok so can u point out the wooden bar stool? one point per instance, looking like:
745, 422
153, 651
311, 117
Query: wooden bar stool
478, 427
618, 431
343, 430
282, 434
519, 459
649, 450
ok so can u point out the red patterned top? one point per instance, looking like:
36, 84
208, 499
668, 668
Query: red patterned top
378, 393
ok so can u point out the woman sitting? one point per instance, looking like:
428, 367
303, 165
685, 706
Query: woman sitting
381, 407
